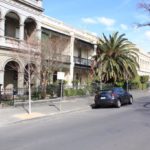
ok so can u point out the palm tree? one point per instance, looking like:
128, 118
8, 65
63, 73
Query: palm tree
115, 58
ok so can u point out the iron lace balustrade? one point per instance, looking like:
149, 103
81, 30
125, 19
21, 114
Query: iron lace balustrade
82, 61
59, 58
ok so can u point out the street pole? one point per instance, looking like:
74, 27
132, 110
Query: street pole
60, 76
29, 88
61, 95
29, 79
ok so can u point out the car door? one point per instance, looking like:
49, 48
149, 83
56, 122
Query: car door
127, 97
122, 96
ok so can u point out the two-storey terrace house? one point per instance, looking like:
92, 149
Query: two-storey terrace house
19, 21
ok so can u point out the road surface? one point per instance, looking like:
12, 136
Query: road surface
126, 128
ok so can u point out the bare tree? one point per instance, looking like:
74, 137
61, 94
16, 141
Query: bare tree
48, 56
27, 52
53, 57
146, 7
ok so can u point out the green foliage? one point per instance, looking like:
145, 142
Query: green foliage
144, 79
120, 84
95, 86
135, 83
52, 89
36, 95
116, 58
70, 92
80, 92
107, 86
7, 103
74, 92
139, 82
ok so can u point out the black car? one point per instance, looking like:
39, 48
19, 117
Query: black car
113, 97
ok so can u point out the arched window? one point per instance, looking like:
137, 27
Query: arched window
12, 25
11, 75
29, 28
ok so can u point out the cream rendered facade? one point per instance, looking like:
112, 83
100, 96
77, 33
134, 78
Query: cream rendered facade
19, 19
144, 63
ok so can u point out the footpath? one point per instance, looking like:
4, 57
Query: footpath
11, 115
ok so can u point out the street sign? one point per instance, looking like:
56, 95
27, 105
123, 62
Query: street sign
60, 75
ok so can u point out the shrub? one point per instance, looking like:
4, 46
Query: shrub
70, 92
80, 92
36, 95
120, 84
144, 81
52, 89
74, 92
135, 83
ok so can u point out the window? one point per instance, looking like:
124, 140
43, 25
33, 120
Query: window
17, 33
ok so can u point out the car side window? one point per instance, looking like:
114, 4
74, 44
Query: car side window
116, 90
119, 90
122, 90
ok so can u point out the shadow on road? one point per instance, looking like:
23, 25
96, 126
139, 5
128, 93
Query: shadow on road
93, 106
147, 105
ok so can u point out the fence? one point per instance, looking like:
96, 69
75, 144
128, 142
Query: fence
9, 97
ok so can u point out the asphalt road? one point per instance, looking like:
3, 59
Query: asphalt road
126, 128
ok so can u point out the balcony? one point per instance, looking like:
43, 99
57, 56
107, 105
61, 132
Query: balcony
82, 62
59, 58
14, 44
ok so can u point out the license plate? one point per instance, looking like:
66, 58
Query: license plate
103, 97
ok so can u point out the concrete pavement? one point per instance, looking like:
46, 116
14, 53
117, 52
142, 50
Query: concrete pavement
20, 113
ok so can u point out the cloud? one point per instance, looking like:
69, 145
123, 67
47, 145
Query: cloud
89, 20
99, 20
106, 21
124, 27
147, 34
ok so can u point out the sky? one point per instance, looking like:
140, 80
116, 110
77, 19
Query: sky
103, 16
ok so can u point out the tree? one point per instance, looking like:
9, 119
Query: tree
146, 7
53, 58
144, 79
115, 59
28, 52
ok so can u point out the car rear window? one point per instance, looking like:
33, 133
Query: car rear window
105, 91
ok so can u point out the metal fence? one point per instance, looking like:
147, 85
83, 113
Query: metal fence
9, 97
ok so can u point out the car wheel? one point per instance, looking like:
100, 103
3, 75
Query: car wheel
130, 100
118, 104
